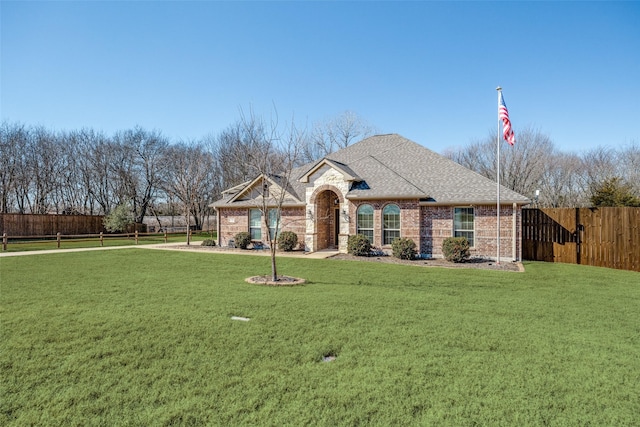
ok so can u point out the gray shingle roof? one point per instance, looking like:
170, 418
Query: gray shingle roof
392, 166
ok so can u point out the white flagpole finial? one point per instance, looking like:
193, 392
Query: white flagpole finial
498, 88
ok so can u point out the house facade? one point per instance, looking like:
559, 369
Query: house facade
384, 187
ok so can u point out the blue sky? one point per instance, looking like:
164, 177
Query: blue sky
426, 70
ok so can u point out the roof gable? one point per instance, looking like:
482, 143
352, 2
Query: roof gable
253, 190
343, 169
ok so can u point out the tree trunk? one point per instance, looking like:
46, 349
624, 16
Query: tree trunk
274, 271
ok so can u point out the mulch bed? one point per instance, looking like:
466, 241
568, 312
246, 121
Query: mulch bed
473, 263
282, 281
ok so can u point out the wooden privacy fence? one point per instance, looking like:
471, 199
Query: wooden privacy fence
38, 225
603, 237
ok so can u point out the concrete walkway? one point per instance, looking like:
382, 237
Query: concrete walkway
197, 248
180, 246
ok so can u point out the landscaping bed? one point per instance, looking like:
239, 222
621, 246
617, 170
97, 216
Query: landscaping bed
478, 263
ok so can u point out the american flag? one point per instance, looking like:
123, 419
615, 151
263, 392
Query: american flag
503, 115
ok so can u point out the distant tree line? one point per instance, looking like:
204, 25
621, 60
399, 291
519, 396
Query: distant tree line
90, 173
596, 177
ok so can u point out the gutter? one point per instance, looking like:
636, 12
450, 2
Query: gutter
476, 203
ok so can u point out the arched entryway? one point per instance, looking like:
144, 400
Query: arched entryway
327, 219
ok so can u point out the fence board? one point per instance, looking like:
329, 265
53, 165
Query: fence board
604, 237
39, 225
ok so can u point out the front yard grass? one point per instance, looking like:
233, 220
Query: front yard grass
134, 337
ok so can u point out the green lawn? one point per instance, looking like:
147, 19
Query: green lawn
145, 338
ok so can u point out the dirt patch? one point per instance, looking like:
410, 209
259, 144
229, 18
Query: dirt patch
474, 263
282, 281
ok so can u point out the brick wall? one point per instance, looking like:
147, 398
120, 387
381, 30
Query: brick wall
233, 221
428, 226
409, 219
293, 219
437, 225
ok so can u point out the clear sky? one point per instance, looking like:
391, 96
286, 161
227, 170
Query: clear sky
425, 70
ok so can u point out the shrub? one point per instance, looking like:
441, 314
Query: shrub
287, 241
358, 245
456, 249
208, 242
118, 219
243, 239
404, 248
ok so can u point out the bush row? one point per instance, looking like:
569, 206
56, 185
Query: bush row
455, 249
287, 240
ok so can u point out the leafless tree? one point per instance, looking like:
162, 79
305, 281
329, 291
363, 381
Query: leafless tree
41, 157
597, 165
140, 166
12, 137
560, 185
232, 147
629, 165
521, 166
190, 178
334, 134
281, 150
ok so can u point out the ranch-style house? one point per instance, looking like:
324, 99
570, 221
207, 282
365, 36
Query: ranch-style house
384, 187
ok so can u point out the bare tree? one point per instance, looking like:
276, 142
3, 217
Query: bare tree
231, 148
629, 165
93, 159
597, 166
281, 150
521, 167
42, 156
140, 166
560, 185
12, 137
190, 178
334, 134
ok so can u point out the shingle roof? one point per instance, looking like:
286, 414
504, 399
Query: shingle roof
392, 166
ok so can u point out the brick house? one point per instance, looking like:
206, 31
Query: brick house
384, 187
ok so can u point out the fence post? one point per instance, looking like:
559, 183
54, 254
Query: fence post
136, 237
58, 239
4, 241
101, 239
165, 236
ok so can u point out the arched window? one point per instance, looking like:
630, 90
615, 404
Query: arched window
390, 224
365, 221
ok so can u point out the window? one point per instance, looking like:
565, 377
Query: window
274, 222
365, 221
390, 224
463, 224
255, 217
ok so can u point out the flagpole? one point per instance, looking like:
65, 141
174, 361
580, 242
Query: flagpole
499, 89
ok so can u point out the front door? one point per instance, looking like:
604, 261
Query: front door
336, 227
